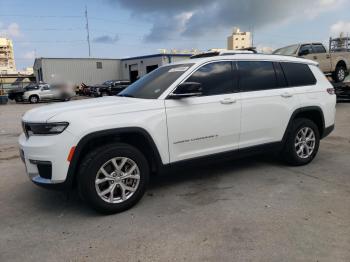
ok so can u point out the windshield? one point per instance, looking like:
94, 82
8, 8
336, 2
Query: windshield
152, 85
288, 50
31, 86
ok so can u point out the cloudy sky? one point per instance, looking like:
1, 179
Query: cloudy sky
124, 28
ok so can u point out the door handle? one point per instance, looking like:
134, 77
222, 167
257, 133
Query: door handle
328, 56
227, 101
315, 57
286, 95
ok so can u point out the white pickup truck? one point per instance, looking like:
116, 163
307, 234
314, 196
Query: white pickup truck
335, 64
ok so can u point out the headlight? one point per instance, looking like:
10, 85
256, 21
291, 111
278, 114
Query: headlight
44, 128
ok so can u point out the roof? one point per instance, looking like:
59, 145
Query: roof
77, 58
156, 55
247, 57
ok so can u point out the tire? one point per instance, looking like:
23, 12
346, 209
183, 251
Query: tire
90, 172
33, 99
18, 99
292, 152
339, 74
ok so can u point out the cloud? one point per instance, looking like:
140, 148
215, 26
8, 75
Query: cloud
195, 18
30, 55
11, 31
106, 39
340, 27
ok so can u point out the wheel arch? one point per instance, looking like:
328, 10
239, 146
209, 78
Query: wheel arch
313, 113
342, 63
135, 136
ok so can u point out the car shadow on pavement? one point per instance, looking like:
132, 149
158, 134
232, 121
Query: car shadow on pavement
58, 203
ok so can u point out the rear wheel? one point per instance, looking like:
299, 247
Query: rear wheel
302, 142
33, 99
339, 74
113, 178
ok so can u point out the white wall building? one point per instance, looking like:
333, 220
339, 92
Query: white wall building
91, 71
239, 40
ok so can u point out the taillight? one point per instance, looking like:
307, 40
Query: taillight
331, 91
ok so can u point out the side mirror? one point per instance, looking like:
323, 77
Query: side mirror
187, 89
304, 52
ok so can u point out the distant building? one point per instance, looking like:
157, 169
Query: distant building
135, 67
91, 71
76, 70
7, 59
239, 40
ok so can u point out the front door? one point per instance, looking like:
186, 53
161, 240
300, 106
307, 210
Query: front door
46, 92
206, 124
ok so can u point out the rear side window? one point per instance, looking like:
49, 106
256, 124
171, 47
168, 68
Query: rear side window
318, 49
298, 74
256, 75
216, 78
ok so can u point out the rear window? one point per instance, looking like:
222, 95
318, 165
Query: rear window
298, 74
318, 49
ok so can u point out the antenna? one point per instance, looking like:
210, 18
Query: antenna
87, 30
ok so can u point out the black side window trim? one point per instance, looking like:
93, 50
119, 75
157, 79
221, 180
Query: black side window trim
288, 82
234, 71
264, 89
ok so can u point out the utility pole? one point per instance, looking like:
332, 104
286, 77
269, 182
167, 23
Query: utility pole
87, 30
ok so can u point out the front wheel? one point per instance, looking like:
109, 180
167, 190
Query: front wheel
113, 178
33, 99
302, 143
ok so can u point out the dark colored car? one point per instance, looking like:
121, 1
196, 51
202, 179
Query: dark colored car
109, 88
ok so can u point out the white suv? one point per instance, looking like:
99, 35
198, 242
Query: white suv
108, 147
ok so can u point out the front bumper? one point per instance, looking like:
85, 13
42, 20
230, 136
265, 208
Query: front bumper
45, 158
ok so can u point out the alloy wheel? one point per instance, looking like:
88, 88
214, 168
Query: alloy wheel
117, 180
304, 143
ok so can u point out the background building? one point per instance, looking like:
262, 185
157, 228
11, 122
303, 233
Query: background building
7, 59
239, 40
92, 71
76, 70
135, 67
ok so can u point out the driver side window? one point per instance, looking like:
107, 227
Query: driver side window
216, 78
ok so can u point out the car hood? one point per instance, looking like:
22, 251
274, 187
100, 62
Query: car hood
88, 108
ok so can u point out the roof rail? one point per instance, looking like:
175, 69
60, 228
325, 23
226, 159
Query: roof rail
249, 50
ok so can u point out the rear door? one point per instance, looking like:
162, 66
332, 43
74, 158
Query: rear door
267, 102
207, 124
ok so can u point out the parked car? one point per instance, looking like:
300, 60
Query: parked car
17, 94
191, 110
335, 64
110, 87
48, 92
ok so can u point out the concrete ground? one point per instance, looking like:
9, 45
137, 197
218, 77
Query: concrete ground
256, 209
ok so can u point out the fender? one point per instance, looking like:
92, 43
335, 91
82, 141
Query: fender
117, 131
301, 110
